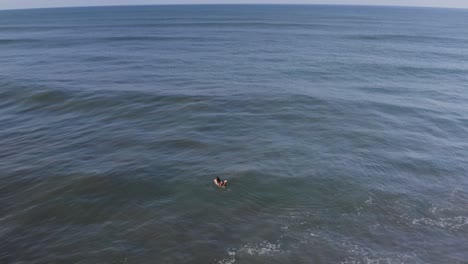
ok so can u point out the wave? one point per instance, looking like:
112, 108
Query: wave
17, 41
238, 24
150, 38
409, 70
406, 38
72, 100
59, 99
62, 42
189, 24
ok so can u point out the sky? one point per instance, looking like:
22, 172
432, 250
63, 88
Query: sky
16, 4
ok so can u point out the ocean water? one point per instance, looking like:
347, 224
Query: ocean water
343, 133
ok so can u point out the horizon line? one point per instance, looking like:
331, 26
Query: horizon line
232, 4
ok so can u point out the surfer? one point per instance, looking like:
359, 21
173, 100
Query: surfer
220, 183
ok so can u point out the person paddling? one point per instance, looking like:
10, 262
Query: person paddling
220, 183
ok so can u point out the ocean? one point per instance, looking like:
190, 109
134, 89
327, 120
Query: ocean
342, 132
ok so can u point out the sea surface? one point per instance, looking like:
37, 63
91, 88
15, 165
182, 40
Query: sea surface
342, 132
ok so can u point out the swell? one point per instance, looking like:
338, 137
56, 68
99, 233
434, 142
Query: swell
35, 97
256, 192
151, 38
69, 42
406, 38
72, 100
17, 41
412, 71
234, 23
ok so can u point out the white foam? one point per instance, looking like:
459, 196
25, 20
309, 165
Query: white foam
367, 260
455, 192
314, 235
366, 256
263, 249
229, 260
441, 207
369, 201
451, 223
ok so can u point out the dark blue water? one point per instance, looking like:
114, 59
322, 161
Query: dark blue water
343, 132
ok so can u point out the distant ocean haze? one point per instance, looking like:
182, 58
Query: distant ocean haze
341, 131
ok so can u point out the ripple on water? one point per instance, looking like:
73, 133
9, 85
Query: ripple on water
340, 145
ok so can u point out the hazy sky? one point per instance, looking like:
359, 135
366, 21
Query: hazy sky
12, 4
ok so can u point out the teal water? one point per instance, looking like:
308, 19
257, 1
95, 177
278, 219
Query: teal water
342, 131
